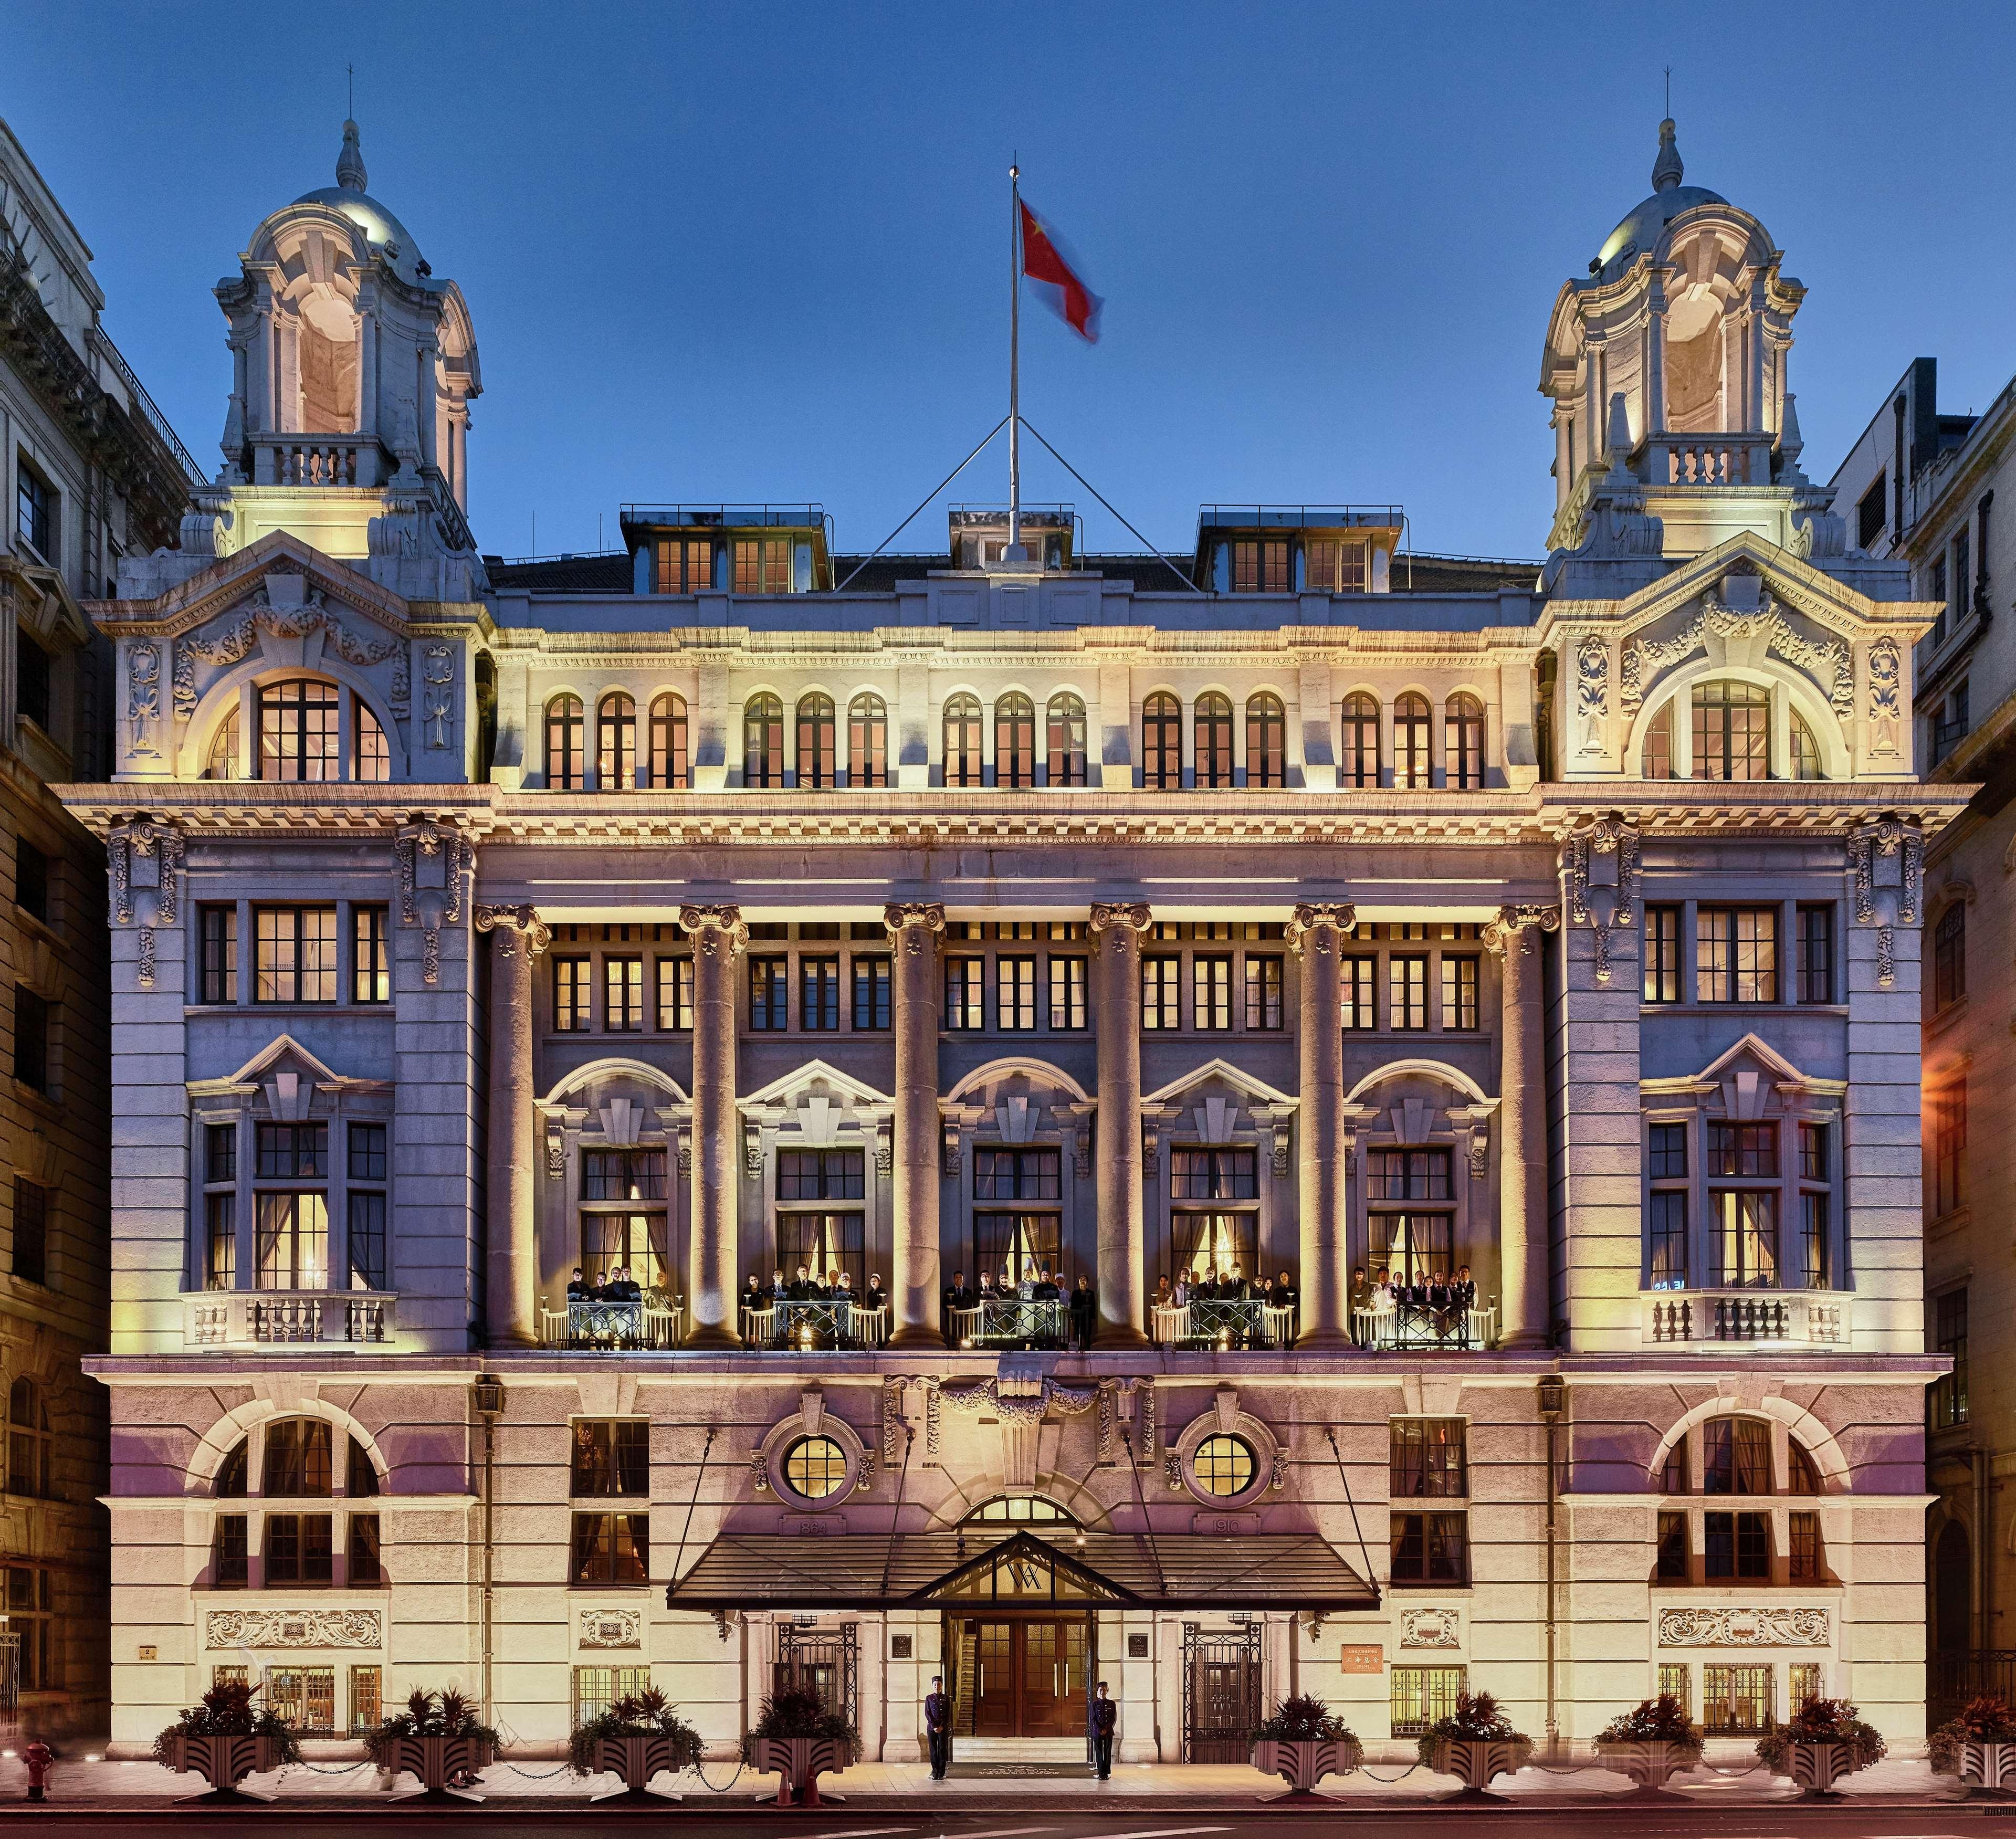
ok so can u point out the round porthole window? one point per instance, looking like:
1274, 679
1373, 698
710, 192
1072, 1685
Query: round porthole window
1223, 1465
815, 1468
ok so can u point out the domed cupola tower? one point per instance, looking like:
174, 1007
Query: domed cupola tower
1674, 425
353, 372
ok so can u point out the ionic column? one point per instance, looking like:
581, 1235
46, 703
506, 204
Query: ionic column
1522, 1153
1316, 935
1122, 1286
914, 927
718, 937
511, 1276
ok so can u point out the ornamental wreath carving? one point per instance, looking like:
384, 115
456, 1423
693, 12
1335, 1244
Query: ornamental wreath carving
1430, 1628
294, 1627
612, 1628
1743, 1628
233, 643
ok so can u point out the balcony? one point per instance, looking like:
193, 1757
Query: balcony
318, 459
611, 1328
823, 1325
1760, 1318
1224, 1323
1425, 1328
289, 1318
1010, 1322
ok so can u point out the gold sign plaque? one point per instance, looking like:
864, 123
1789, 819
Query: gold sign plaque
1363, 1659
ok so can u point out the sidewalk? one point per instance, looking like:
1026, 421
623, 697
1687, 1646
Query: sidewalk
905, 1786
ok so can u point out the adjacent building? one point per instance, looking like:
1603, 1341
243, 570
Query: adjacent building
90, 472
733, 906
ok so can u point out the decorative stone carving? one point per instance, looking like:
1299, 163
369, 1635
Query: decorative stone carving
1307, 930
1480, 1153
513, 926
612, 1628
1745, 1627
556, 1153
1520, 923
293, 1628
713, 928
1283, 1138
437, 672
909, 923
1430, 1628
885, 1152
1592, 691
752, 1152
1827, 661
143, 696
1886, 697
144, 859
1151, 1151
274, 612
434, 859
1887, 859
1600, 861
1119, 918
1081, 1152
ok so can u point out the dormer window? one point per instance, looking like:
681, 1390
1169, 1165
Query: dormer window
683, 565
1262, 568
763, 565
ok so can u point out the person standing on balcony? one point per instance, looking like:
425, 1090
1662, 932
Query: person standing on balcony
1084, 1314
960, 1295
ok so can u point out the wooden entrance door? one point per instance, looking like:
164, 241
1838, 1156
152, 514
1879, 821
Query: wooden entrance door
1027, 1675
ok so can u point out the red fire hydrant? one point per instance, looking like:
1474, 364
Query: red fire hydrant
38, 1756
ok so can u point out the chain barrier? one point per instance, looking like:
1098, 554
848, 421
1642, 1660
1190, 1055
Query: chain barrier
725, 1785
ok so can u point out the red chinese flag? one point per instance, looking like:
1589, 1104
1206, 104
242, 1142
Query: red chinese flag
1055, 279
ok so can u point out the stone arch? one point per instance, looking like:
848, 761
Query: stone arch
235, 1426
1423, 1069
1812, 1436
1007, 1068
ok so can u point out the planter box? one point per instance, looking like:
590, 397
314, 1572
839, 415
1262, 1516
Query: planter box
800, 1761
1302, 1764
438, 1760
637, 1759
1478, 1764
1648, 1766
1992, 1766
222, 1761
1815, 1767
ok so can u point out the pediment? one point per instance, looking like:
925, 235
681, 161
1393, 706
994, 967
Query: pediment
818, 1078
1796, 585
289, 1074
241, 579
1025, 1559
591, 1086
1222, 1072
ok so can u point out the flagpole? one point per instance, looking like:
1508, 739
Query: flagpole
1015, 550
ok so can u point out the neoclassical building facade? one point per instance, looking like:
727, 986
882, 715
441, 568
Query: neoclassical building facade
733, 907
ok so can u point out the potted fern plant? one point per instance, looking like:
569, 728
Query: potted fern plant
1302, 1743
1823, 1742
1650, 1745
798, 1739
438, 1738
1978, 1746
1476, 1742
636, 1738
224, 1737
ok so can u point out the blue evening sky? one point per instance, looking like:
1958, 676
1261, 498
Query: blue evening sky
760, 251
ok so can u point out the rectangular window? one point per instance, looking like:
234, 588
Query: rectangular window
31, 1039
304, 1697
1743, 1149
219, 929
1213, 1174
294, 954
1161, 993
1067, 985
1210, 991
1802, 1556
31, 685
611, 1456
1816, 1244
623, 995
230, 1552
1359, 1010
366, 1221
1736, 1547
35, 511
1815, 954
966, 993
1427, 1458
1459, 993
1948, 1395
1408, 1174
1017, 1174
1423, 1696
1949, 957
611, 1549
676, 994
684, 565
370, 954
1015, 992
1736, 954
1263, 992
1872, 513
595, 1689
1406, 992
219, 1230
572, 999
366, 1563
299, 1548
1666, 1233
31, 880
1668, 1158
1736, 1701
769, 996
1430, 1549
871, 994
1736, 1456
291, 1232
1676, 1683
31, 1232
1948, 1106
763, 565
366, 1700
820, 1174
1662, 954
623, 1175
292, 1152
818, 994
1744, 1226
367, 1153
1672, 1561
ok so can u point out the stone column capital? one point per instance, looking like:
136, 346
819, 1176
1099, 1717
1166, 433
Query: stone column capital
917, 918
514, 926
1521, 922
1313, 921
712, 927
1122, 918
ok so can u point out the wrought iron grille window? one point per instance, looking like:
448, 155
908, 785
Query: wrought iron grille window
1423, 1696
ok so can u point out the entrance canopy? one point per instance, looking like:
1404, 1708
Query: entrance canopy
1024, 1570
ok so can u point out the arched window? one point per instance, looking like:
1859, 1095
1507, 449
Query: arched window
362, 1481
763, 742
868, 740
1736, 1455
564, 744
1212, 747
1732, 732
1463, 742
1065, 754
223, 762
1358, 763
298, 1458
1806, 749
1266, 741
962, 756
1657, 760
1015, 740
668, 743
1019, 1510
374, 758
1162, 742
28, 1439
616, 732
819, 744
297, 735
1801, 1477
1410, 740
233, 1480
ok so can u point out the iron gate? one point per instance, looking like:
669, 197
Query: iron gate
1220, 1692
823, 1661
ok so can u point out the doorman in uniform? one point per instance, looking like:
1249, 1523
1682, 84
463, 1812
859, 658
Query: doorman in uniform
1105, 1715
938, 1726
